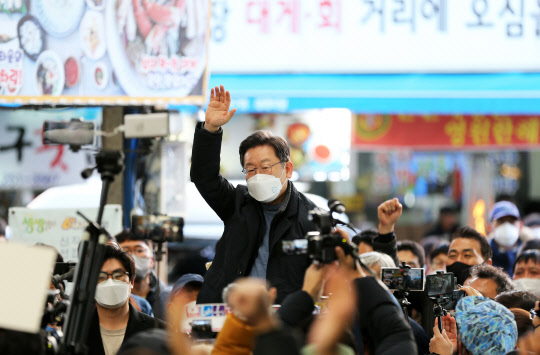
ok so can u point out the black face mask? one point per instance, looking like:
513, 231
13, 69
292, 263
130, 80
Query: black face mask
460, 270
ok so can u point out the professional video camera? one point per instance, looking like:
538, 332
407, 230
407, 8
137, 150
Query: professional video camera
441, 289
319, 246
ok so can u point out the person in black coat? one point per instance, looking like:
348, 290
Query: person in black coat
257, 217
115, 320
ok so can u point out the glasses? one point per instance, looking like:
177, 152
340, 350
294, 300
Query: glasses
117, 275
263, 169
139, 251
533, 313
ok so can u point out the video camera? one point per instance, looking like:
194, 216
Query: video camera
319, 246
441, 289
158, 228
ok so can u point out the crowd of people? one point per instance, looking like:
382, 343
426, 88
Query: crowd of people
292, 304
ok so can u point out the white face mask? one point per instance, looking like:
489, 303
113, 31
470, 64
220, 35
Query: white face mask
142, 266
112, 294
528, 284
506, 234
264, 188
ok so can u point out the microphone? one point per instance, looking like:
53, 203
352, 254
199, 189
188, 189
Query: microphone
68, 136
336, 206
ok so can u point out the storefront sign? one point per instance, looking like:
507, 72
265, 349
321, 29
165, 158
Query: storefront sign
366, 36
82, 52
445, 131
25, 163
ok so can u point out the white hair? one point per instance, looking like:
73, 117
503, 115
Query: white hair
374, 257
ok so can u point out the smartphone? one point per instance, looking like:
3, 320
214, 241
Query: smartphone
158, 228
440, 284
409, 279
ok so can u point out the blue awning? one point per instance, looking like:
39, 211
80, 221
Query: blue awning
507, 93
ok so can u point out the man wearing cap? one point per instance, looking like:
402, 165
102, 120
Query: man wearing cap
186, 289
485, 327
506, 224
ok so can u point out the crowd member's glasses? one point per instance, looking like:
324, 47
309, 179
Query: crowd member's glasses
139, 251
117, 275
533, 313
263, 169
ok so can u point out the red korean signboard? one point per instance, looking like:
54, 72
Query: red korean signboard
445, 131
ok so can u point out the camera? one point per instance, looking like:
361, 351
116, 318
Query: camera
441, 288
76, 132
158, 228
403, 279
319, 245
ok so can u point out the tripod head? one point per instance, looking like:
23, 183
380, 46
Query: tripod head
108, 164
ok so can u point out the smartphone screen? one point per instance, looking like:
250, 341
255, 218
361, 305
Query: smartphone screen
403, 278
440, 284
162, 227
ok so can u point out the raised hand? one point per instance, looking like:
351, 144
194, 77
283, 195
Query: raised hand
217, 112
388, 213
440, 343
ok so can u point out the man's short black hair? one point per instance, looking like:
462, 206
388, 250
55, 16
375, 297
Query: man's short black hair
126, 235
441, 248
258, 138
414, 248
517, 299
366, 236
112, 252
470, 233
486, 271
447, 210
529, 245
531, 254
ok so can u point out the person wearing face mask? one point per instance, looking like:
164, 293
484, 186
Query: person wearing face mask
505, 243
257, 217
115, 319
467, 248
145, 278
527, 271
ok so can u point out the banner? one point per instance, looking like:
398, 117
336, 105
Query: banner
95, 52
375, 36
25, 163
60, 227
445, 132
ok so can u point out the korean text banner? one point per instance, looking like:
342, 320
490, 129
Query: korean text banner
94, 52
445, 131
375, 36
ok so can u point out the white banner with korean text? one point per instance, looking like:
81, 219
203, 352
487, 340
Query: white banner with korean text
366, 36
60, 227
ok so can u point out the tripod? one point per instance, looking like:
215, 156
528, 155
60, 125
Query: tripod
92, 250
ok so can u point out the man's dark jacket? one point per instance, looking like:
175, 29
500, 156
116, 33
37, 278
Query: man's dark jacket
245, 226
137, 322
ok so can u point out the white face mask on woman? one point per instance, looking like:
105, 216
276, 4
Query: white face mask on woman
112, 294
264, 188
506, 234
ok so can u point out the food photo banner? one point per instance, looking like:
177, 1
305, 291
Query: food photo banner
445, 132
97, 52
